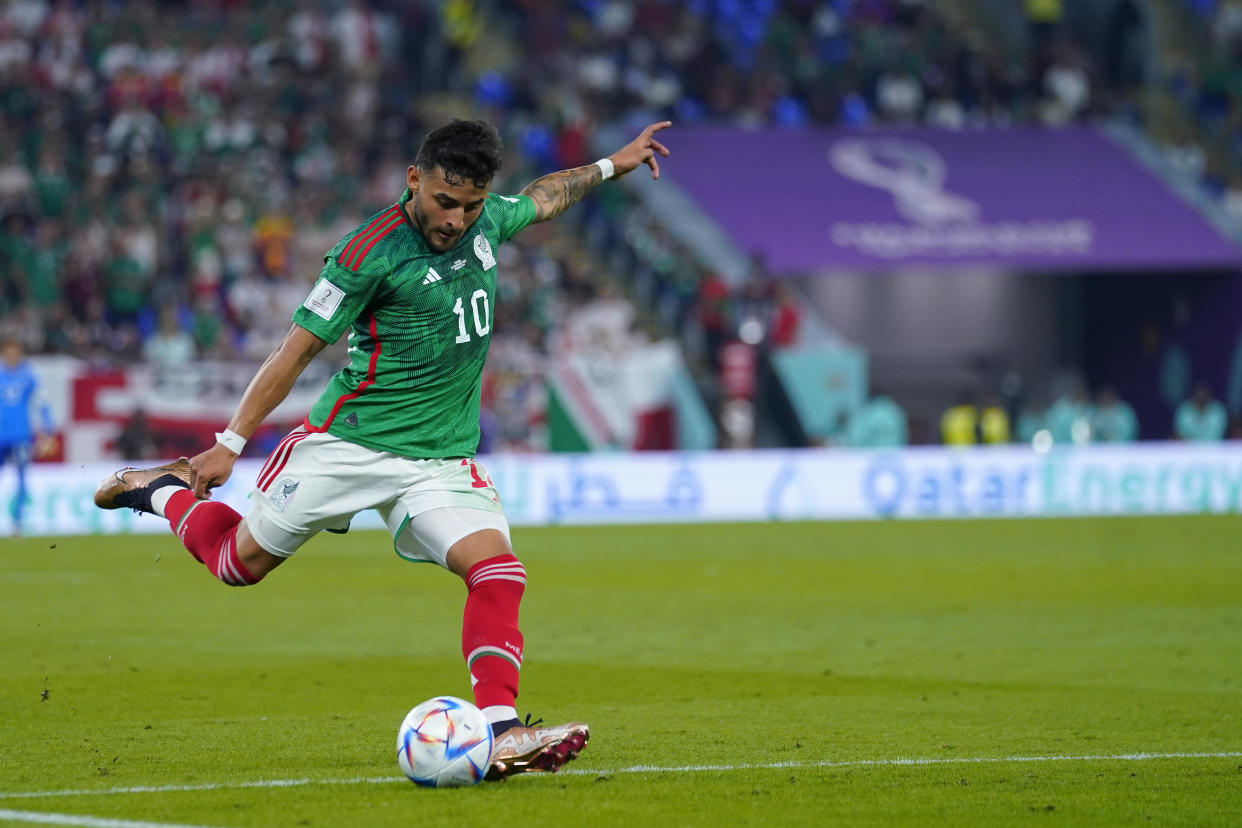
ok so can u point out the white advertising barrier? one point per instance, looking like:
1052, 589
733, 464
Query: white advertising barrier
807, 484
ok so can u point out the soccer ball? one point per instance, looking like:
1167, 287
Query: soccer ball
444, 742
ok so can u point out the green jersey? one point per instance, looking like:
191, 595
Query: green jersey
420, 324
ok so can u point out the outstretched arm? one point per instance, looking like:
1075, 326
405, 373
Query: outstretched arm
556, 192
267, 389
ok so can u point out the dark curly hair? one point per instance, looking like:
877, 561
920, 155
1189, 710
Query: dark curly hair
465, 149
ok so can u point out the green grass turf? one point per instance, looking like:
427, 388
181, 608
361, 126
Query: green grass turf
122, 664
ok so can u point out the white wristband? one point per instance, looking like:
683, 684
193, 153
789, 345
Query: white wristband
232, 441
606, 167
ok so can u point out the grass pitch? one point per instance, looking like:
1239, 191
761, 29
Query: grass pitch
768, 672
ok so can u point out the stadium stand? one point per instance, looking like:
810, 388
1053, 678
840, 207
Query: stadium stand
170, 175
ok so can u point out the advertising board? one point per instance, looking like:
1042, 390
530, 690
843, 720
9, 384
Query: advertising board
803, 484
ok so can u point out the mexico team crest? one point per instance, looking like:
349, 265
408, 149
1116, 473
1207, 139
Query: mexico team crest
282, 493
484, 251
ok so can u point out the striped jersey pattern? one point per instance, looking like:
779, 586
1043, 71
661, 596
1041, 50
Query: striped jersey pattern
419, 323
355, 253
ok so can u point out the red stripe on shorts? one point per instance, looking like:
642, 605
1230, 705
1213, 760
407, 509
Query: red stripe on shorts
271, 458
270, 478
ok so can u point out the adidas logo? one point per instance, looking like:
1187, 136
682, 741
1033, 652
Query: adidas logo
352, 419
459, 264
432, 276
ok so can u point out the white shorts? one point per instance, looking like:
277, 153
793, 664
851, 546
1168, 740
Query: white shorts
314, 481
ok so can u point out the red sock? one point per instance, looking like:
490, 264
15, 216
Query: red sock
490, 639
209, 530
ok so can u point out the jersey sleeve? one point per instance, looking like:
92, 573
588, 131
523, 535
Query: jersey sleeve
511, 213
338, 298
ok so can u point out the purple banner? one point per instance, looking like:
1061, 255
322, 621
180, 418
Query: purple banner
1033, 199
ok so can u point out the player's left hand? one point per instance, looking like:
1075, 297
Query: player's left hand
642, 150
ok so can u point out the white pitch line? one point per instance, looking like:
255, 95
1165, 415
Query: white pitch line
875, 763
827, 763
205, 786
84, 821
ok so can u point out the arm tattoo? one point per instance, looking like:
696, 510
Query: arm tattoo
556, 192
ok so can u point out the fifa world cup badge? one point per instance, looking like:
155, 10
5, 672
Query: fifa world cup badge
484, 251
324, 299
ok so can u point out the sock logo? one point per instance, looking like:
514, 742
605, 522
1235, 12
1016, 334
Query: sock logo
183, 525
282, 493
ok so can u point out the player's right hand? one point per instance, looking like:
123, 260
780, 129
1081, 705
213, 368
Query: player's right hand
210, 469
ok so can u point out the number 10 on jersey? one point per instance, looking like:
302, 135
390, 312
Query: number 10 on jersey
481, 312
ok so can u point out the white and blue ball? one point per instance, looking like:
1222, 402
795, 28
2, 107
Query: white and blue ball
444, 742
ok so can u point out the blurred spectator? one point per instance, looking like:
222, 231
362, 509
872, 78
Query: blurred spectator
1043, 22
1186, 157
1201, 418
1032, 421
170, 347
1069, 417
604, 324
16, 182
755, 308
898, 95
714, 312
1112, 419
993, 422
737, 424
1066, 86
959, 425
22, 434
786, 317
135, 441
878, 423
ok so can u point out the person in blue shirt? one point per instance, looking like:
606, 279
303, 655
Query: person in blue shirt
1113, 419
1200, 419
1032, 420
19, 436
878, 423
1069, 417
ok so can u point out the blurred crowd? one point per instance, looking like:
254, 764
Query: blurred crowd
1076, 417
172, 173
1201, 89
171, 176
792, 63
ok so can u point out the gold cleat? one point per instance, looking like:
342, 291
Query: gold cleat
536, 749
128, 488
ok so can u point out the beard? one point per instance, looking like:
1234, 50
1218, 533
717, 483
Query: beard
440, 239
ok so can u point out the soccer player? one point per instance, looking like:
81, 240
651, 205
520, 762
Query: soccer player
396, 429
19, 439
